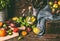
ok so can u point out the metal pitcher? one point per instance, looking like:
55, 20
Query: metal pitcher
3, 15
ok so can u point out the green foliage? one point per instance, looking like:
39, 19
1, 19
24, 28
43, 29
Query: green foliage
23, 21
3, 4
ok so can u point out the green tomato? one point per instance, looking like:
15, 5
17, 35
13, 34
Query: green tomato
50, 3
10, 33
4, 25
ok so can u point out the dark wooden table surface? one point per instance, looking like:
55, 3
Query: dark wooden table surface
33, 37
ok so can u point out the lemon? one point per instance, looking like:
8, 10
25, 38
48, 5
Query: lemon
14, 18
36, 30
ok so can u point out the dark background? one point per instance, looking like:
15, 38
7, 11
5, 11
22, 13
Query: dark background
16, 6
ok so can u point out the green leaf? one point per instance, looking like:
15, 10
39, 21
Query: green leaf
20, 37
18, 21
33, 26
3, 4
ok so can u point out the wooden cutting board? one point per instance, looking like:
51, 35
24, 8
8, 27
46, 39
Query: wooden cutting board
8, 37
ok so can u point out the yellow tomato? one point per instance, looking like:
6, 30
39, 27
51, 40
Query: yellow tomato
36, 30
55, 6
53, 10
33, 19
58, 2
1, 23
2, 33
24, 33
